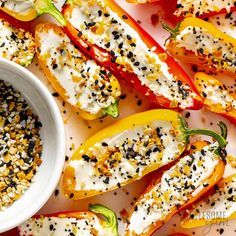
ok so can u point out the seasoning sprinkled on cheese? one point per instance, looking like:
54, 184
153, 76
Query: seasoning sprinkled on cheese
216, 96
20, 145
16, 44
215, 93
224, 22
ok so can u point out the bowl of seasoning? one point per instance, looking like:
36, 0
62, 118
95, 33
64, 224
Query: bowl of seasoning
32, 144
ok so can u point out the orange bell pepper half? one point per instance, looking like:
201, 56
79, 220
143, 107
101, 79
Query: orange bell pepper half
199, 42
73, 223
219, 206
126, 151
106, 33
89, 88
176, 189
217, 98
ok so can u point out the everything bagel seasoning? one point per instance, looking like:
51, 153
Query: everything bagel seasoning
20, 145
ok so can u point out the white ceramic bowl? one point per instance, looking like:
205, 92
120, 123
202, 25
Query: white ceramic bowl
52, 134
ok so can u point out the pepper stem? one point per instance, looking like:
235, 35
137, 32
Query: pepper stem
109, 215
46, 6
223, 129
172, 31
220, 139
112, 110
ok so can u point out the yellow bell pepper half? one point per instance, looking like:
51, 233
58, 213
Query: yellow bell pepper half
199, 42
126, 151
30, 9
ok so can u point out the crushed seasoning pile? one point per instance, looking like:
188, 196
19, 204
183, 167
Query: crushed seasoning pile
20, 145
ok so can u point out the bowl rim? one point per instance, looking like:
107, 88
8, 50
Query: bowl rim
59, 125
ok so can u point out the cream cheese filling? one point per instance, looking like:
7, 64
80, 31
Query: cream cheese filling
16, 44
215, 94
225, 23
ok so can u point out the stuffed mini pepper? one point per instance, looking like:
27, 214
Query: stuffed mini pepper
88, 87
26, 10
176, 188
199, 42
127, 151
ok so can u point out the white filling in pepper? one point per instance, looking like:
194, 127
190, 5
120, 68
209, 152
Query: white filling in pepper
222, 201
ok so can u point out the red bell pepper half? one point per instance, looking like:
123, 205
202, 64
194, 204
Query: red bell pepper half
106, 33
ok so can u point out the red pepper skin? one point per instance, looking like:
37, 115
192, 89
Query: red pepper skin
215, 13
15, 22
105, 58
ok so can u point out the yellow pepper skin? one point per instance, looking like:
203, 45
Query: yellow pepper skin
224, 191
199, 42
31, 10
217, 98
126, 151
175, 189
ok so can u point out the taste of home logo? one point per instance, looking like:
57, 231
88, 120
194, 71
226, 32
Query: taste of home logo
212, 217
